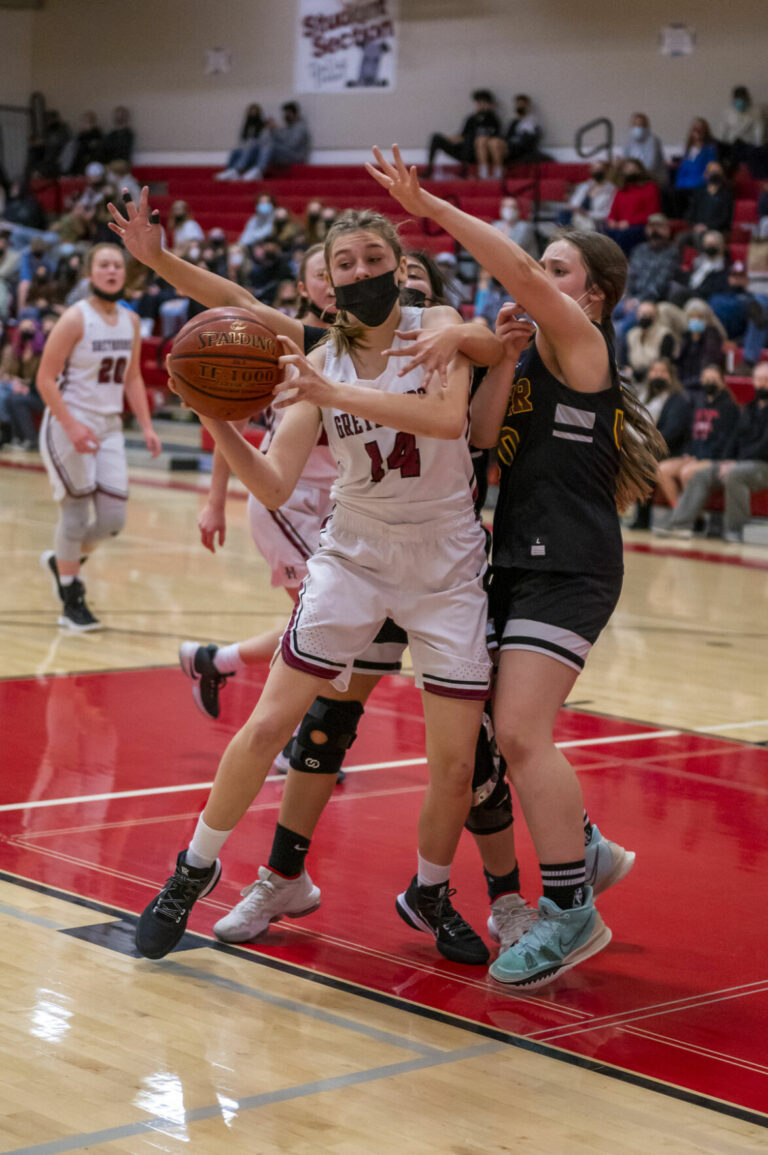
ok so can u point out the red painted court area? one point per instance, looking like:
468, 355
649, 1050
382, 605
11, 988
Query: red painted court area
102, 781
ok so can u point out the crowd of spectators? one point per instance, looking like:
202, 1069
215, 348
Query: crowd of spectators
687, 307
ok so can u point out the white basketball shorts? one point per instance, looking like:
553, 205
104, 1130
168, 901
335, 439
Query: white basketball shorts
287, 537
74, 474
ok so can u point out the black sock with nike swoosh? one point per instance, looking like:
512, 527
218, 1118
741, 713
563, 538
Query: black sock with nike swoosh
564, 882
288, 852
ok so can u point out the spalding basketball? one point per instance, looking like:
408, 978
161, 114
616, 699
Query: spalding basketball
224, 364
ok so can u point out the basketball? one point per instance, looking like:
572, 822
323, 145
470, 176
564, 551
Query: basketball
224, 364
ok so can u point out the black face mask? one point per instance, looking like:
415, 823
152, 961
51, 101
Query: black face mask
415, 297
112, 297
710, 391
644, 322
324, 315
598, 177
657, 385
371, 300
711, 250
761, 394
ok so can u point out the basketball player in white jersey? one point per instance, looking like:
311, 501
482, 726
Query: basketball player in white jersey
90, 366
404, 541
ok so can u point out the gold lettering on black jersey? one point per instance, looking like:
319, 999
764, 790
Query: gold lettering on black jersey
618, 427
509, 440
520, 397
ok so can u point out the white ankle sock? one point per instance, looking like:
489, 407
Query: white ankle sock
206, 845
431, 875
66, 579
228, 660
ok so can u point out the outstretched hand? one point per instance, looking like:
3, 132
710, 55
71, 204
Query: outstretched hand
433, 349
140, 229
401, 183
301, 380
513, 332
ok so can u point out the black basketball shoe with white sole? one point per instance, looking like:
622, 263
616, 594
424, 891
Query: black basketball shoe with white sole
164, 921
429, 908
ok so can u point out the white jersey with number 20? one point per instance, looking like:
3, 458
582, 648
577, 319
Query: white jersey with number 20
93, 376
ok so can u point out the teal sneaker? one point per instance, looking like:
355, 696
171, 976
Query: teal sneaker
606, 862
557, 941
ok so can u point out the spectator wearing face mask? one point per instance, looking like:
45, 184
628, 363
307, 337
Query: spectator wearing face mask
702, 343
89, 144
520, 143
259, 226
690, 174
313, 227
269, 268
591, 200
742, 122
636, 201
741, 471
643, 146
710, 206
18, 370
183, 227
647, 341
284, 145
287, 298
669, 406
118, 142
217, 243
511, 224
653, 265
708, 275
284, 228
715, 416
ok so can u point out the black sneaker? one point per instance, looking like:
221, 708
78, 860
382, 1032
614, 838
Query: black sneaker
429, 908
75, 614
164, 921
197, 663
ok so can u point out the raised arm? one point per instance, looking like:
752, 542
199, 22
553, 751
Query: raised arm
574, 342
142, 236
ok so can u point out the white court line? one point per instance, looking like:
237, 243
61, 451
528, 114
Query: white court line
156, 790
731, 726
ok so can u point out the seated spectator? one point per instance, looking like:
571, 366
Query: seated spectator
643, 146
183, 226
284, 228
512, 225
119, 175
118, 142
702, 344
742, 129
281, 146
10, 260
77, 226
591, 200
22, 208
314, 226
653, 265
636, 200
669, 406
489, 297
756, 334
18, 369
37, 266
700, 151
483, 123
708, 275
715, 416
89, 144
733, 306
742, 471
97, 191
521, 142
268, 269
710, 206
44, 152
648, 341
243, 155
217, 243
259, 226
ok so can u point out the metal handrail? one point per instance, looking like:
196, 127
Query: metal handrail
606, 143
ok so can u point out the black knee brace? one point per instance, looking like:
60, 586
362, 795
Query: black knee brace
488, 762
494, 814
336, 722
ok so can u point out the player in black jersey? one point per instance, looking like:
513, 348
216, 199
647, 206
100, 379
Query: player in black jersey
573, 447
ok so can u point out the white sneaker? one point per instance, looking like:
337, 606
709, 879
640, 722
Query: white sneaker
227, 174
254, 173
266, 900
606, 862
672, 531
482, 171
510, 918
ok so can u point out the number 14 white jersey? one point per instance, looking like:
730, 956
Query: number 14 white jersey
390, 476
93, 376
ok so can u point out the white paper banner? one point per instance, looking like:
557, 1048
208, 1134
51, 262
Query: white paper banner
346, 46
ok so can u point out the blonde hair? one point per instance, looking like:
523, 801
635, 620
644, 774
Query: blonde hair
347, 331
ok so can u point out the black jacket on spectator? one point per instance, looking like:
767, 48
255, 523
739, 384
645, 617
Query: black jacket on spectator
694, 355
675, 422
118, 145
714, 428
485, 123
712, 209
749, 441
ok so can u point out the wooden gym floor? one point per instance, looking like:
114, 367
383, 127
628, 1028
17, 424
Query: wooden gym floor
345, 1031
